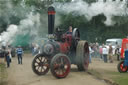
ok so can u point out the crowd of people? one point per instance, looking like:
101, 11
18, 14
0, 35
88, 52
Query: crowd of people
7, 53
104, 52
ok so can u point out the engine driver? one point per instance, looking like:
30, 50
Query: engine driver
70, 30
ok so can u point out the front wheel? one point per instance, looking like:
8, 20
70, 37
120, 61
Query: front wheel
40, 64
60, 66
121, 67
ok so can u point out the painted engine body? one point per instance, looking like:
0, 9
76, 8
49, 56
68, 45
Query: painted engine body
52, 47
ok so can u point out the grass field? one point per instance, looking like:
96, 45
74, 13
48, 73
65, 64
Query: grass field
116, 77
108, 72
120, 78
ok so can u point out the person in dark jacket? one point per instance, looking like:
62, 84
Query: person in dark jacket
117, 52
19, 52
7, 58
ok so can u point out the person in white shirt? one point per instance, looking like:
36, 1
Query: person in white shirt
105, 54
90, 54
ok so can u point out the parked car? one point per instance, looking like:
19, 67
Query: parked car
114, 42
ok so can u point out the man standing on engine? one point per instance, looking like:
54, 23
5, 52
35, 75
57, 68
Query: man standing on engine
19, 54
70, 30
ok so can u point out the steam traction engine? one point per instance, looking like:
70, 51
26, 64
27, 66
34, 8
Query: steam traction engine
60, 51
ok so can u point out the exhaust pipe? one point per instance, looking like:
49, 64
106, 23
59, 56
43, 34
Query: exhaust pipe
51, 19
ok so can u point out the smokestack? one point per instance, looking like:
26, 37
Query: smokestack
51, 19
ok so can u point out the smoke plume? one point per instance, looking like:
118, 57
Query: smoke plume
27, 30
9, 34
79, 7
33, 25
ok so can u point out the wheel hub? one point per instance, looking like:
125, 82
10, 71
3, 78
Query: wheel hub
41, 63
61, 66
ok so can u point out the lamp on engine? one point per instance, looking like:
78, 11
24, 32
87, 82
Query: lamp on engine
60, 51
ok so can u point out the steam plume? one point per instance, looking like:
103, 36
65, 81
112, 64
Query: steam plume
80, 7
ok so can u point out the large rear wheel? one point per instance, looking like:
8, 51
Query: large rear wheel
82, 56
40, 64
121, 68
60, 66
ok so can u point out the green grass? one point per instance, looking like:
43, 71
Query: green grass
3, 74
120, 78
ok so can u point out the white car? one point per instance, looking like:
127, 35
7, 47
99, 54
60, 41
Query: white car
114, 42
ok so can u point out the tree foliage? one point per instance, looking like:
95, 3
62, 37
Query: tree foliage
93, 31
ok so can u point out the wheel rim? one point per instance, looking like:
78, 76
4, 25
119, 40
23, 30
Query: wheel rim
122, 67
41, 65
61, 67
86, 56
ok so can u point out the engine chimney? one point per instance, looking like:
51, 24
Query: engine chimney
51, 19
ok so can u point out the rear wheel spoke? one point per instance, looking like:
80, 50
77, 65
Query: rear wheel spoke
38, 67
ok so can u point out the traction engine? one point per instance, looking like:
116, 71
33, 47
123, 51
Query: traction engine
60, 51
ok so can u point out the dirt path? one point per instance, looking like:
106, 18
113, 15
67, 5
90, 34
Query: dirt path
23, 75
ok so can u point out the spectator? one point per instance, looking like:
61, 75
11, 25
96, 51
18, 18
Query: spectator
117, 52
90, 54
105, 54
92, 48
97, 49
19, 54
36, 49
110, 54
8, 57
100, 52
